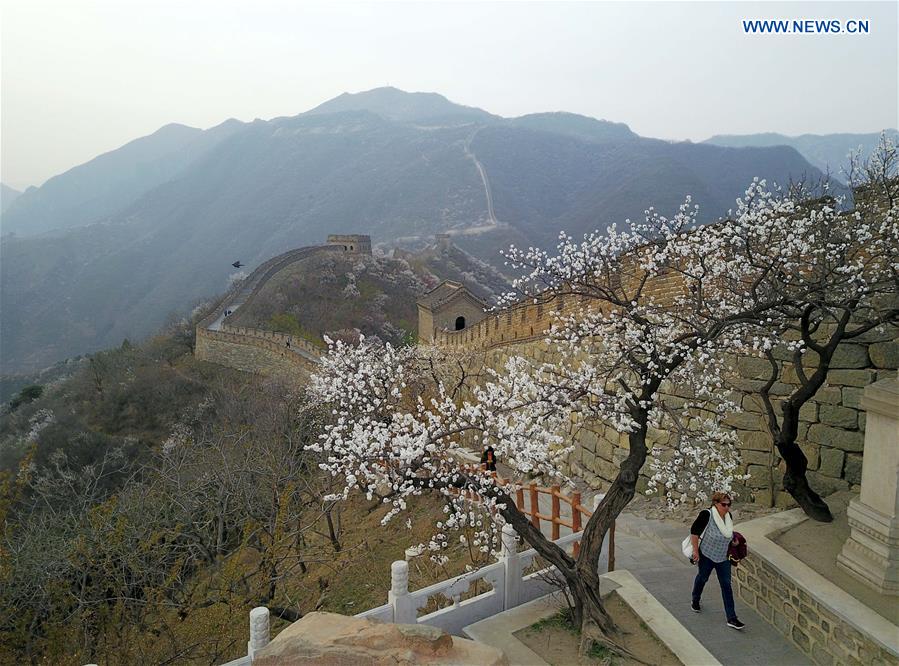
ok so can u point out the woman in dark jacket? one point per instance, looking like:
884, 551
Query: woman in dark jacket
711, 535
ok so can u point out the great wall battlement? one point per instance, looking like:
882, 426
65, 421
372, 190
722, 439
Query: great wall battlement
256, 350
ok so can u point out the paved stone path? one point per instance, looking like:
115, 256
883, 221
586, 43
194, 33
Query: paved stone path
650, 550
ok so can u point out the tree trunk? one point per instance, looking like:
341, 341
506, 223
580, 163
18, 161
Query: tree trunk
796, 484
786, 432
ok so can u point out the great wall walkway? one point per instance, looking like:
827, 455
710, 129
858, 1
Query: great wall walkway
251, 349
650, 550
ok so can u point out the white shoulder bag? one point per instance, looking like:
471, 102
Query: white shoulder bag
687, 544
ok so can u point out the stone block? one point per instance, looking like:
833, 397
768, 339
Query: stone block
836, 438
329, 638
744, 421
885, 354
821, 656
832, 463
656, 436
782, 500
850, 356
760, 476
850, 377
751, 457
751, 367
752, 403
843, 638
809, 412
781, 623
882, 333
814, 633
604, 449
764, 609
839, 417
852, 471
852, 397
812, 454
800, 638
588, 459
825, 485
754, 440
828, 395
755, 385
790, 611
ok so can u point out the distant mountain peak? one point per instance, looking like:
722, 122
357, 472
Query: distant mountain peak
399, 105
573, 124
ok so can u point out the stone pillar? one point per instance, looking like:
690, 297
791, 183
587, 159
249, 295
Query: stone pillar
871, 553
398, 596
260, 633
511, 568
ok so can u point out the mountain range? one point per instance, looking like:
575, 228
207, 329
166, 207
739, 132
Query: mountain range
828, 152
111, 248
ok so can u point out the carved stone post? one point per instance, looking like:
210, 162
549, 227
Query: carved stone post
871, 553
511, 567
398, 597
260, 632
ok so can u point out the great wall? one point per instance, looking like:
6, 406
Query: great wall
256, 350
832, 425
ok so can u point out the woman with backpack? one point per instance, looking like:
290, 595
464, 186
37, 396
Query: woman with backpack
711, 535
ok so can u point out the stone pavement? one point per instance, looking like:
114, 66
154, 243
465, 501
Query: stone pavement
650, 550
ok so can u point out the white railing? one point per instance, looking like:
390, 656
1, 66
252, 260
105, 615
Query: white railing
509, 587
506, 578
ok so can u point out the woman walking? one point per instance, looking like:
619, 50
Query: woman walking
711, 535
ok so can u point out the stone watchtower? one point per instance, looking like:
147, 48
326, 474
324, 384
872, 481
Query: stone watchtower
448, 307
356, 243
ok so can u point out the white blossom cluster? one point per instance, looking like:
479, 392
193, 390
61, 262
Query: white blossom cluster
38, 421
400, 414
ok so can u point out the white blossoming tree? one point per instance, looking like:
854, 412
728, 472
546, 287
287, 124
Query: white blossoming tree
836, 276
651, 314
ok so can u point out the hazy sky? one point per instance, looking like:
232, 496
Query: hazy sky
80, 77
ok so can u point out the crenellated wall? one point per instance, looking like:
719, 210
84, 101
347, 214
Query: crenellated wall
256, 351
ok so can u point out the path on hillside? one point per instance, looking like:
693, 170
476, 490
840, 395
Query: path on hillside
491, 214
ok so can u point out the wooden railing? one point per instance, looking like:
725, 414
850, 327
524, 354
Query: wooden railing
557, 497
579, 514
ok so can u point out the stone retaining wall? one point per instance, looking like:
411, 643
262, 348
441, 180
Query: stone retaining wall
831, 432
811, 627
823, 621
248, 353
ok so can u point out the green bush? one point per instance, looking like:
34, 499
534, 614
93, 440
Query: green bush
26, 395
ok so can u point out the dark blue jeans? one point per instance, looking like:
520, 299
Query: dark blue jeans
723, 570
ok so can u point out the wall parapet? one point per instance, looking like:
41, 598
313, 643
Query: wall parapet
523, 322
273, 352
